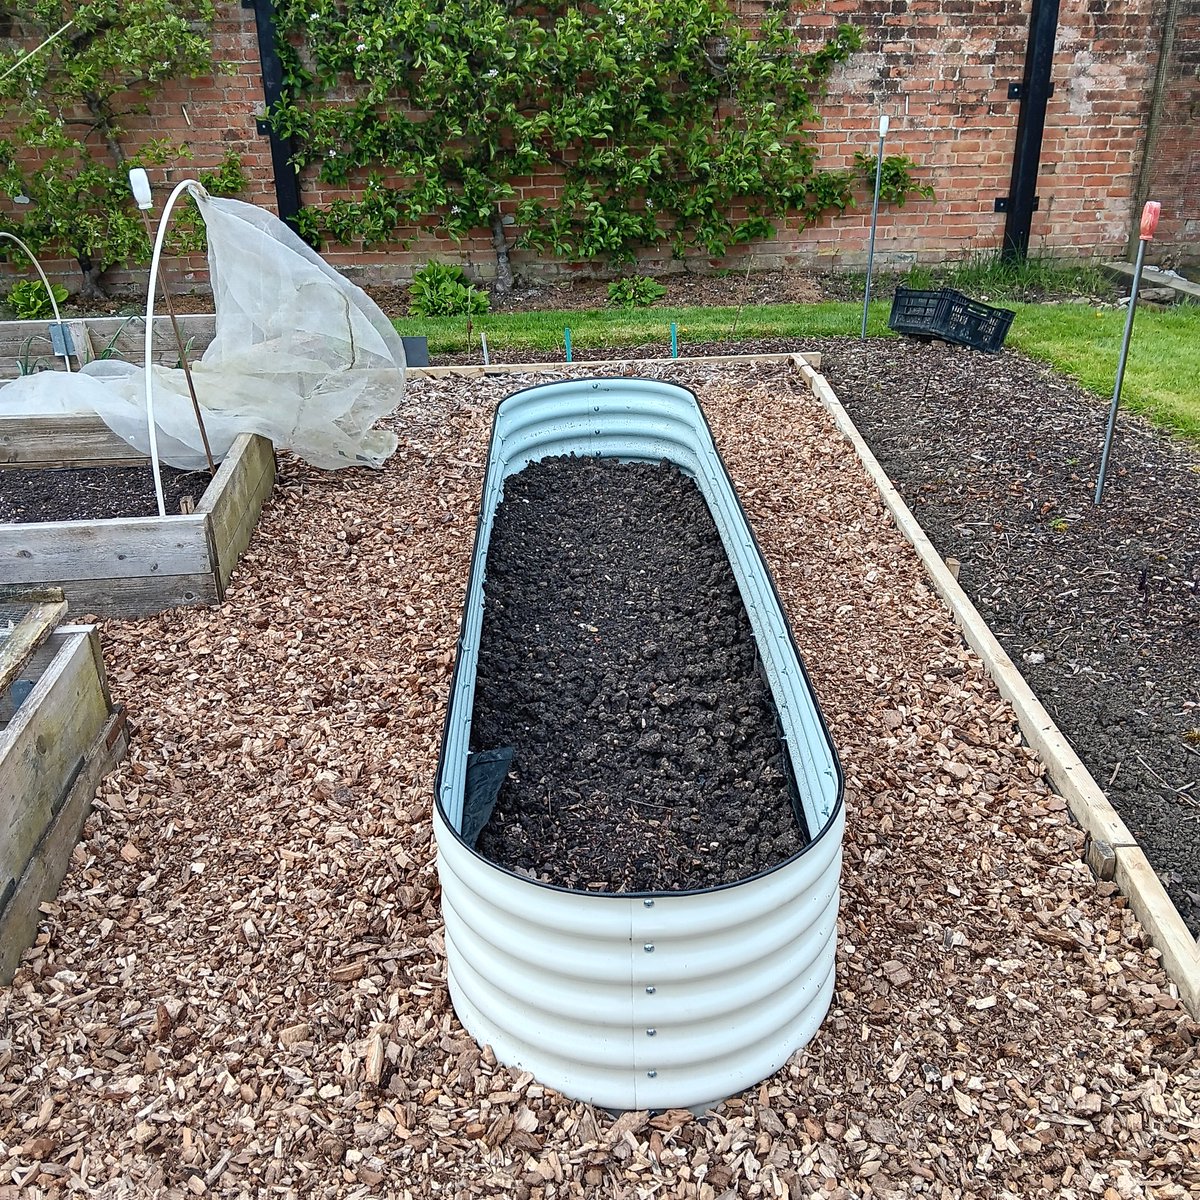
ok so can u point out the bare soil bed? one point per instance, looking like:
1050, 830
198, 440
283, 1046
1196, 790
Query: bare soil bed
1099, 607
618, 662
241, 988
92, 493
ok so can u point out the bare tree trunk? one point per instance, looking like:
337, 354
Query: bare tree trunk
504, 275
102, 111
92, 271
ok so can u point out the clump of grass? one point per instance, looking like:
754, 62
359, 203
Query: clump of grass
988, 276
1037, 277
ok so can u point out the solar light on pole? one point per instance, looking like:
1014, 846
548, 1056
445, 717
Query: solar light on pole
1150, 215
883, 129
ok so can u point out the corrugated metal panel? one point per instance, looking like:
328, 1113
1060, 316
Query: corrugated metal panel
658, 1000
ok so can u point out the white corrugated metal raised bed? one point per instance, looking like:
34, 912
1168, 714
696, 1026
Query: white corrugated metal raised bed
647, 1000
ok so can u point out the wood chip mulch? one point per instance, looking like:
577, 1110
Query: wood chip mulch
241, 988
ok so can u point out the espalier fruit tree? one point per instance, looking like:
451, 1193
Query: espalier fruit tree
640, 122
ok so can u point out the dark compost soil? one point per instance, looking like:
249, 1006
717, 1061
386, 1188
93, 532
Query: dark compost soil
92, 493
618, 660
1099, 607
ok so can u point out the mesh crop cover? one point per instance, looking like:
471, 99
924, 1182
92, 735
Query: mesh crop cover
300, 355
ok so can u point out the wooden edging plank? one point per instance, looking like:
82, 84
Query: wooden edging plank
41, 660
63, 440
122, 547
99, 337
1071, 779
543, 368
234, 499
31, 631
141, 595
52, 856
41, 749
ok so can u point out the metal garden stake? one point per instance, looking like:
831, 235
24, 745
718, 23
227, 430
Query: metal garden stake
1150, 215
139, 182
883, 128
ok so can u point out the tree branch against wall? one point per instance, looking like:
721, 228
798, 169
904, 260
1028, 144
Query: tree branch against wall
671, 122
65, 152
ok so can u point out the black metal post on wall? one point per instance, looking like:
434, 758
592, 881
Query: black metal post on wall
1033, 92
287, 180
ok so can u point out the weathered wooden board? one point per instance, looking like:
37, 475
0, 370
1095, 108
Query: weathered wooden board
43, 750
103, 337
235, 497
30, 632
66, 440
116, 549
1154, 277
550, 368
49, 862
54, 751
140, 595
36, 665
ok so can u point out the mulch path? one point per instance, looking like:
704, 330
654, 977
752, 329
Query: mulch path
618, 663
241, 986
1099, 607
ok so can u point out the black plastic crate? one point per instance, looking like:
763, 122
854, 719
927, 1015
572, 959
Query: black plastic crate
950, 316
915, 312
969, 323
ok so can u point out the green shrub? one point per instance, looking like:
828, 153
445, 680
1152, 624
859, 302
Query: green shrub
442, 290
29, 300
637, 291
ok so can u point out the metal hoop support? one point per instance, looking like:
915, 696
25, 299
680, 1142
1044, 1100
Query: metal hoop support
195, 188
37, 266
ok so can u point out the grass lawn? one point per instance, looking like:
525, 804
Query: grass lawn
1162, 377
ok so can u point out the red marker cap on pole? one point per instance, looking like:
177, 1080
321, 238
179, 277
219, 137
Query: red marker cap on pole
1150, 215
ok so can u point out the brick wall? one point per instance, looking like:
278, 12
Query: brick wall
1173, 177
939, 68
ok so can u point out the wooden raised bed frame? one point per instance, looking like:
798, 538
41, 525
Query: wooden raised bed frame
133, 566
54, 750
